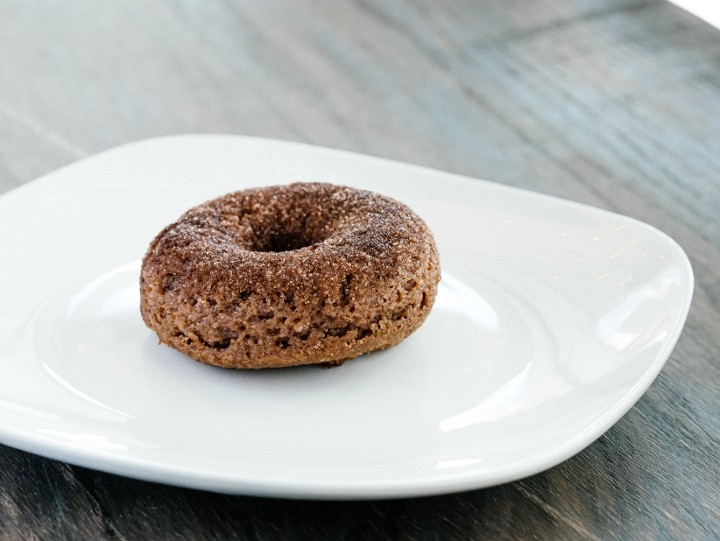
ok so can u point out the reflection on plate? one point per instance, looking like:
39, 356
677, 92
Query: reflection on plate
551, 321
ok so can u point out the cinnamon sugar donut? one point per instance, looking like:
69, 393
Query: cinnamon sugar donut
289, 275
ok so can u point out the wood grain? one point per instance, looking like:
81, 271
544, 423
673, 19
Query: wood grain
611, 103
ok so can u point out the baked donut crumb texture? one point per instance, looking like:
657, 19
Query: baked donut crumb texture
288, 275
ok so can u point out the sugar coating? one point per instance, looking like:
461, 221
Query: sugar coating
289, 275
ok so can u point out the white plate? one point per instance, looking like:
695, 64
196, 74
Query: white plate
552, 319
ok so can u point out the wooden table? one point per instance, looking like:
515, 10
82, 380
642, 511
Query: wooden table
612, 103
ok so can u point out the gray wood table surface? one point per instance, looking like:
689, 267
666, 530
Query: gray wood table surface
612, 103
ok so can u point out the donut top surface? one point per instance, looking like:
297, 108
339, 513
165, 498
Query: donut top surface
290, 236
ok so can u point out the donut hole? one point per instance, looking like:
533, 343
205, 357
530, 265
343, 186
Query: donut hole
286, 243
282, 224
287, 236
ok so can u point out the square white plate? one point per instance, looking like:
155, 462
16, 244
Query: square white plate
552, 320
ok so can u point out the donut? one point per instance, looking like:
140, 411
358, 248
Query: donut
306, 273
